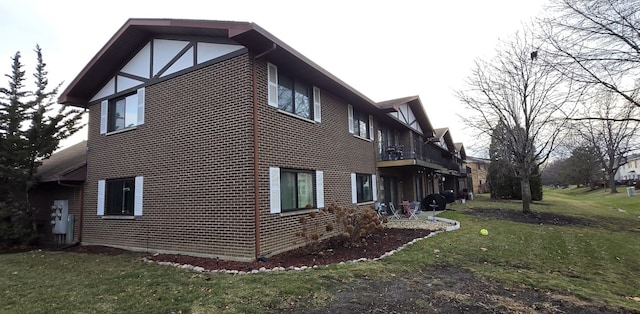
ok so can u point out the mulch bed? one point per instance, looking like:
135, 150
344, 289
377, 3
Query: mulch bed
327, 252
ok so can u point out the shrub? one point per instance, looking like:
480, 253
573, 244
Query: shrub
353, 225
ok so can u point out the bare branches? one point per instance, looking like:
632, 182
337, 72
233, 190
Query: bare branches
597, 43
524, 97
610, 130
604, 119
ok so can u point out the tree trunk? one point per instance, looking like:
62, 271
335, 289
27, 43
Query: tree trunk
612, 183
526, 195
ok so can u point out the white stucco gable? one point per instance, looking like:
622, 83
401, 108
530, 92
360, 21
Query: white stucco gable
160, 58
406, 116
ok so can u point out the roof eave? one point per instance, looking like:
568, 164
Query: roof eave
254, 37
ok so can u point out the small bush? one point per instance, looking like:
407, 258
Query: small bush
353, 224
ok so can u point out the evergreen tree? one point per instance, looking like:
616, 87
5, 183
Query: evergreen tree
582, 167
30, 130
504, 182
12, 114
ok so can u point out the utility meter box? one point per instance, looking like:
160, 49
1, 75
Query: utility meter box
59, 216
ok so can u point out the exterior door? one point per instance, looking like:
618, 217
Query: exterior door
389, 191
419, 187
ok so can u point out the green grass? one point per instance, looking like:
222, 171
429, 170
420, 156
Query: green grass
598, 262
595, 262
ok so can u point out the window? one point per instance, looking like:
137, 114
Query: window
120, 197
363, 188
123, 112
120, 194
360, 124
296, 190
292, 95
292, 190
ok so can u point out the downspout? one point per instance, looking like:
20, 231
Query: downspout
256, 164
80, 219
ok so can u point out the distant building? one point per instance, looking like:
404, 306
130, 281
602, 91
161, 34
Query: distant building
630, 172
480, 171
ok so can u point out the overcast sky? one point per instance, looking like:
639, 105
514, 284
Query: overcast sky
384, 49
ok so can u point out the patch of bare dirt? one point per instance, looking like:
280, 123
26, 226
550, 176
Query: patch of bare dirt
530, 218
447, 290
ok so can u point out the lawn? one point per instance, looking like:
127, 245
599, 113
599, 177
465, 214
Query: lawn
599, 261
596, 261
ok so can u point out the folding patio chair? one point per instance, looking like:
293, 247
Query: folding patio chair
394, 212
413, 210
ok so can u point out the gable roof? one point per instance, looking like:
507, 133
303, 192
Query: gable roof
414, 103
444, 134
460, 149
135, 33
470, 159
66, 165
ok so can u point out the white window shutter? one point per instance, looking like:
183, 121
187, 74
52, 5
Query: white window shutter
137, 200
370, 127
101, 196
274, 190
141, 105
104, 110
374, 187
272, 91
354, 189
350, 107
317, 110
319, 189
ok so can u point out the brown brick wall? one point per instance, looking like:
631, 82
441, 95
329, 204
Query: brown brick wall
289, 142
195, 152
479, 172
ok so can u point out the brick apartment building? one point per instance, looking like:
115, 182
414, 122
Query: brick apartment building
212, 138
480, 169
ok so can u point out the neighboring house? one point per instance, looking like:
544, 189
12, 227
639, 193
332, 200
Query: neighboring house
480, 169
629, 173
212, 138
60, 183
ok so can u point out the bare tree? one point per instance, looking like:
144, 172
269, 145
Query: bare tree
597, 43
610, 131
519, 91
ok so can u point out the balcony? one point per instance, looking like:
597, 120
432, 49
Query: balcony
417, 153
